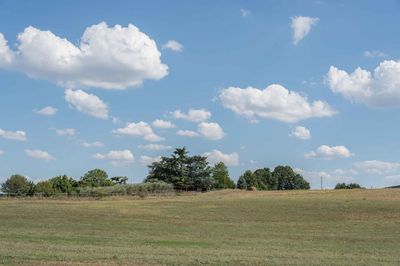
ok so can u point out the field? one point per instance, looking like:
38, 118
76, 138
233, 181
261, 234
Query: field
221, 228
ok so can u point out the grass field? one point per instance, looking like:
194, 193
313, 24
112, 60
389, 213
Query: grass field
221, 228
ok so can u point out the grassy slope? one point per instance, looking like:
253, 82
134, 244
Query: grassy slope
227, 227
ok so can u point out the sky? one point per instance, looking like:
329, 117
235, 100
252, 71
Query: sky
116, 84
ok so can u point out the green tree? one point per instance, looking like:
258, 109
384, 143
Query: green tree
241, 183
250, 179
95, 178
45, 188
264, 179
120, 180
287, 179
17, 185
221, 177
347, 186
64, 184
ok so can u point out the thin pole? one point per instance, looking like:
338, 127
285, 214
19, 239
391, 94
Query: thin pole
321, 182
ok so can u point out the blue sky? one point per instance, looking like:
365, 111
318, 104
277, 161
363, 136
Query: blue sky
311, 84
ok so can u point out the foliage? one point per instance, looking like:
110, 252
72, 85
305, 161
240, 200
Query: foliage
347, 186
265, 180
241, 183
45, 188
120, 180
141, 189
288, 179
64, 184
183, 171
221, 177
17, 185
95, 178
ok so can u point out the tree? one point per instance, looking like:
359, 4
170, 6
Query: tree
183, 171
45, 188
221, 177
287, 179
241, 183
120, 180
265, 180
96, 178
64, 184
17, 185
248, 179
347, 186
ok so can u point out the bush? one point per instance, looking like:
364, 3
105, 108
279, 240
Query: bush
45, 189
64, 184
141, 190
17, 185
347, 186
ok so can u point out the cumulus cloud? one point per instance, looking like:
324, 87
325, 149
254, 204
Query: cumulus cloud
173, 46
329, 152
193, 115
92, 144
155, 147
116, 157
105, 57
216, 156
48, 110
14, 135
66, 132
141, 129
159, 123
301, 133
374, 53
39, 154
147, 160
273, 102
379, 89
245, 12
187, 133
301, 27
377, 167
211, 131
87, 103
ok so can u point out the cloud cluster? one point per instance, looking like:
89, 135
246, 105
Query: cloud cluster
39, 154
116, 157
216, 156
87, 103
379, 89
14, 135
141, 129
273, 102
301, 27
106, 57
329, 152
301, 133
193, 115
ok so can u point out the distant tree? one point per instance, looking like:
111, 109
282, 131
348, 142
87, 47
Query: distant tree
347, 186
265, 180
120, 180
287, 179
96, 178
64, 184
17, 185
241, 183
45, 188
250, 180
221, 177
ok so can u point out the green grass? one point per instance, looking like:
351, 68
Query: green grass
221, 228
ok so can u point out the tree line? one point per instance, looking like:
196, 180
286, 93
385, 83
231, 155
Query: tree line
179, 172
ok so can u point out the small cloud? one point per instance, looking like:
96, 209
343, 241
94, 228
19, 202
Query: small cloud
375, 53
173, 46
329, 152
193, 115
301, 133
138, 129
39, 154
158, 123
66, 132
187, 133
87, 103
216, 156
48, 110
92, 144
147, 160
13, 135
301, 27
245, 12
116, 158
155, 147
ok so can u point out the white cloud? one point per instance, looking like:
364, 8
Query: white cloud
173, 45
273, 102
377, 167
193, 115
106, 57
48, 110
155, 147
329, 152
301, 133
380, 88
92, 144
87, 103
158, 123
14, 135
39, 154
245, 12
301, 27
211, 131
147, 160
139, 129
187, 133
66, 132
374, 53
116, 157
216, 156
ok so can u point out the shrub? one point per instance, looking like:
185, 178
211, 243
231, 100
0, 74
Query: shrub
347, 186
45, 188
141, 190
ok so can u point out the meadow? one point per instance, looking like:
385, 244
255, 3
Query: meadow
228, 227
